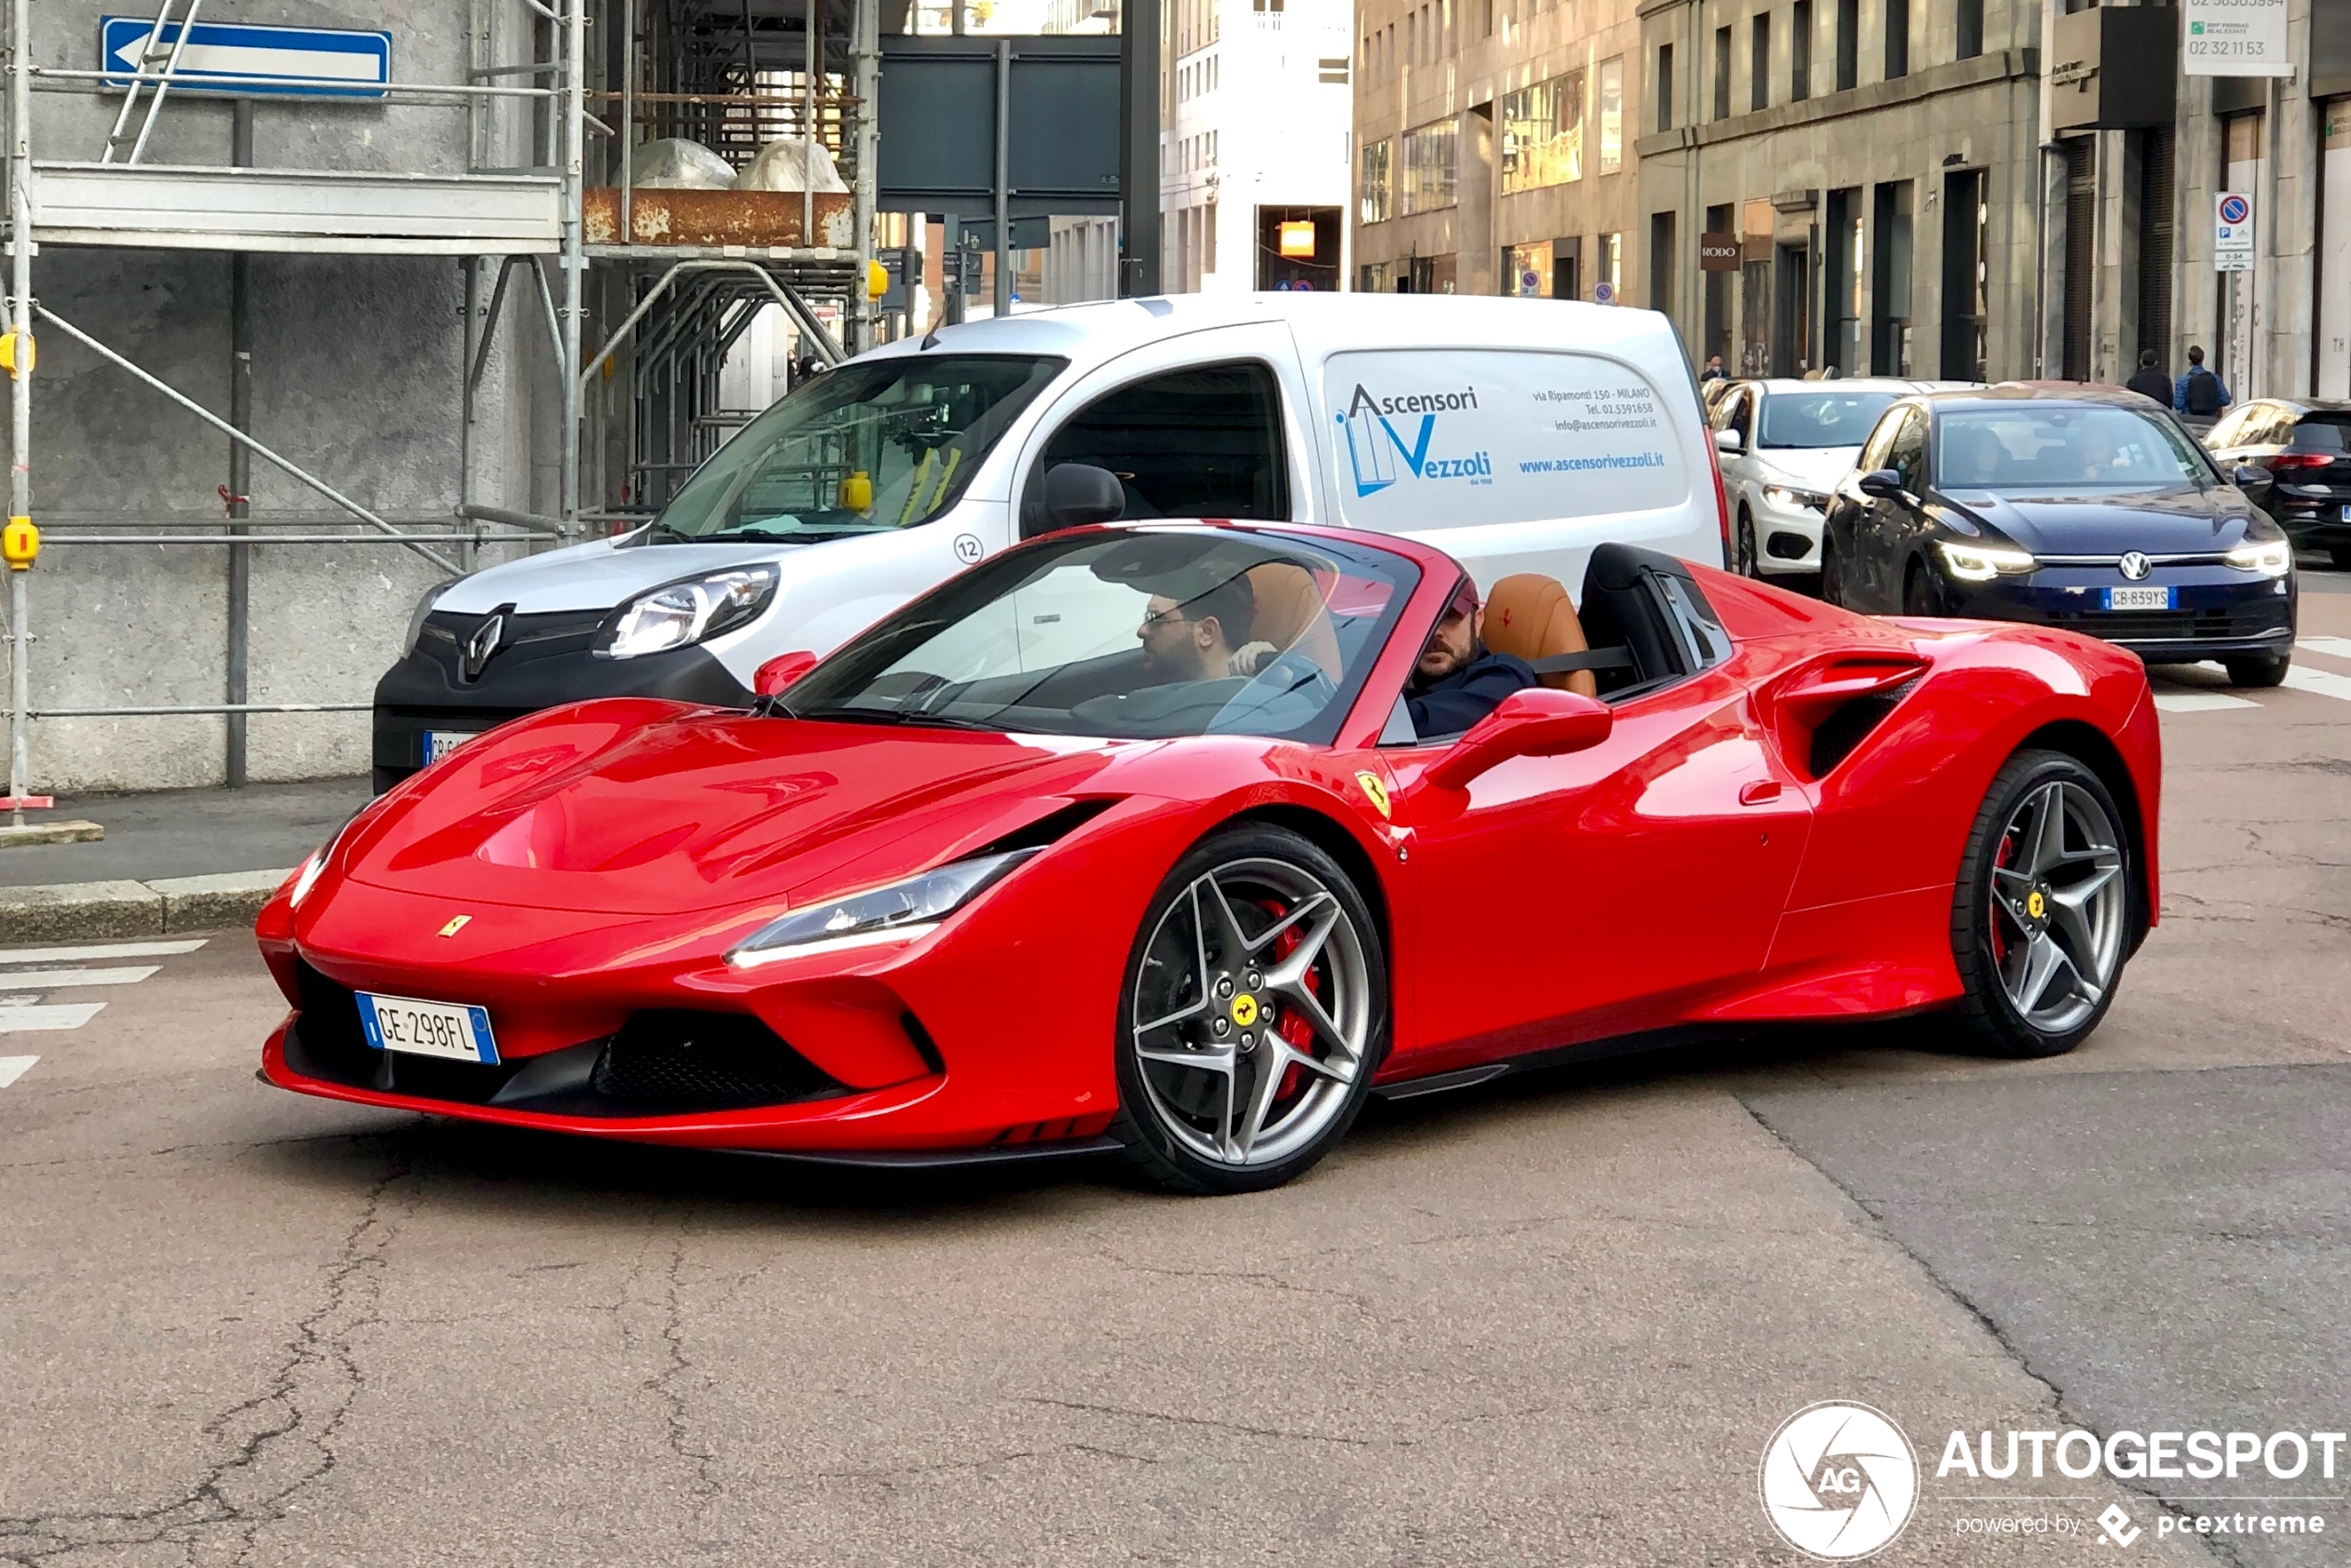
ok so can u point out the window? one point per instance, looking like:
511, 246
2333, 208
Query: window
1485, 18
1543, 134
1799, 52
1758, 63
1821, 419
1432, 157
1970, 28
1205, 442
1527, 271
1721, 73
1374, 207
1848, 43
2027, 447
1665, 87
1612, 115
1613, 263
1897, 39
1661, 261
915, 429
1907, 457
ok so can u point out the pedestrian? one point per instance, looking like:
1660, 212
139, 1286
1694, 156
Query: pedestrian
1714, 371
2199, 392
2149, 381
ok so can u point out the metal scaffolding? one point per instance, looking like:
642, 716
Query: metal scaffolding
542, 239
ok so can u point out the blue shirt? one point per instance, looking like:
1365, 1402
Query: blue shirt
1452, 704
2180, 392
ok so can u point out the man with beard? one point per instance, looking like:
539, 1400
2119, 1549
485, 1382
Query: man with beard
1195, 639
1457, 682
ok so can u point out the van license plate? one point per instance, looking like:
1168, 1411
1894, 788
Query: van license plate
439, 743
427, 1028
2138, 598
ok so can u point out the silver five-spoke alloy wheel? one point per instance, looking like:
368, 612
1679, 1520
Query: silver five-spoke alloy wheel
2058, 907
1253, 1014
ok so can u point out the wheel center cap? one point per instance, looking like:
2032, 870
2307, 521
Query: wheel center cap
2036, 904
1244, 1010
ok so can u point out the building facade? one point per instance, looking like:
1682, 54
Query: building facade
1254, 100
1867, 170
1495, 147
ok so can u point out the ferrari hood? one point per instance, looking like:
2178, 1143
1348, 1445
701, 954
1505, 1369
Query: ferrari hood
2160, 522
632, 807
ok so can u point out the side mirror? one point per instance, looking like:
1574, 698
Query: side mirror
1883, 483
780, 672
1726, 441
2250, 477
1077, 494
1536, 722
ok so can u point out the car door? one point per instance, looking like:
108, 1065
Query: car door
1859, 525
1574, 898
1902, 520
1738, 415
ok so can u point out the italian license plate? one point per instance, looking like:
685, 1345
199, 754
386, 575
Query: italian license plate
427, 1028
439, 743
2347, 514
2149, 598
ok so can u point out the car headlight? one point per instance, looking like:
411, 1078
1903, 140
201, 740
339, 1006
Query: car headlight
2271, 557
1789, 500
680, 614
899, 912
1981, 563
315, 867
425, 602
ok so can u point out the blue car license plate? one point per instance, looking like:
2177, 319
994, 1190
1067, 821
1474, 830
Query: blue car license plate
2149, 597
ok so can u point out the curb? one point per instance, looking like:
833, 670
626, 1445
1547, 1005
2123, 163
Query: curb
75, 911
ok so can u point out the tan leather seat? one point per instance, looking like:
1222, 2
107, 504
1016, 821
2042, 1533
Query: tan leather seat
1530, 617
1290, 614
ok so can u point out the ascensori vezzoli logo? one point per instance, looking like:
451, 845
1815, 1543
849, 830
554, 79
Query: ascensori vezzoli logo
1839, 1481
1375, 445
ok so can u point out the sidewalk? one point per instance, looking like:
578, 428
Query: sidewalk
172, 860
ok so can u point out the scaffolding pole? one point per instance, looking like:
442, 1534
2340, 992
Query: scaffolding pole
575, 137
20, 384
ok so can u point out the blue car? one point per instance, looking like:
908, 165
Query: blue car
2081, 507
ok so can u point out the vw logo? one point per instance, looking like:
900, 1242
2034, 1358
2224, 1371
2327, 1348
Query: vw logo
2135, 565
484, 643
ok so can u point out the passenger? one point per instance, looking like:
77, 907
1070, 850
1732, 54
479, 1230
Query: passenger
1457, 682
1195, 639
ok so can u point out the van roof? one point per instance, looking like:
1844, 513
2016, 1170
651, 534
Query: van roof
1103, 329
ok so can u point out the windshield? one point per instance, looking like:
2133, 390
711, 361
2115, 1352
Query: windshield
2030, 446
871, 445
1129, 634
1821, 419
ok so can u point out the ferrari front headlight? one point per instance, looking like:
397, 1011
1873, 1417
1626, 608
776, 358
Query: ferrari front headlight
897, 912
1981, 563
315, 867
2271, 557
678, 614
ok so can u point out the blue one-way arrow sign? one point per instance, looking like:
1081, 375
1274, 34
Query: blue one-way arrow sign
305, 62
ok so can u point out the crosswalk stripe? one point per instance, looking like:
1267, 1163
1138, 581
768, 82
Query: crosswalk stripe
111, 950
58, 979
30, 1017
13, 1067
2199, 701
2323, 682
2337, 647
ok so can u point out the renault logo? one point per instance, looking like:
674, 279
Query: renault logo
485, 641
2135, 565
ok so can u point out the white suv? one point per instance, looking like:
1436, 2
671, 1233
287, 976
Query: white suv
1783, 445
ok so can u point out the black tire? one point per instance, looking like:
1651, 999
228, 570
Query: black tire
1743, 561
2259, 669
1989, 1020
1832, 580
1918, 591
1146, 1125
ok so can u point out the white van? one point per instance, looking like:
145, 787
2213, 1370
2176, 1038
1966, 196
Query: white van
1513, 435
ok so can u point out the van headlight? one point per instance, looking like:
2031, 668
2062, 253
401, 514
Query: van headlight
678, 614
2271, 557
425, 602
899, 912
1981, 563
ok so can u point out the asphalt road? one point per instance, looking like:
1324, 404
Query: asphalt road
1555, 1322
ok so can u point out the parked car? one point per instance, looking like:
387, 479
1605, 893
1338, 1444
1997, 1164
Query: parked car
976, 888
2304, 447
1783, 445
2084, 507
1518, 439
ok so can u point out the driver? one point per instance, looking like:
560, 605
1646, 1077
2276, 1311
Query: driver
1196, 639
1458, 680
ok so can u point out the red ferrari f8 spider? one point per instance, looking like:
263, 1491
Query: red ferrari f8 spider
1126, 840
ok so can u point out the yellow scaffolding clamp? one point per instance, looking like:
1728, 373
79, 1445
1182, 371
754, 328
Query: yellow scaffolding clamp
20, 543
16, 359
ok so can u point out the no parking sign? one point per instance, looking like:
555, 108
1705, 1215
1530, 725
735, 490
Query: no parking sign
2233, 232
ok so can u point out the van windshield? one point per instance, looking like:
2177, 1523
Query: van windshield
865, 448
